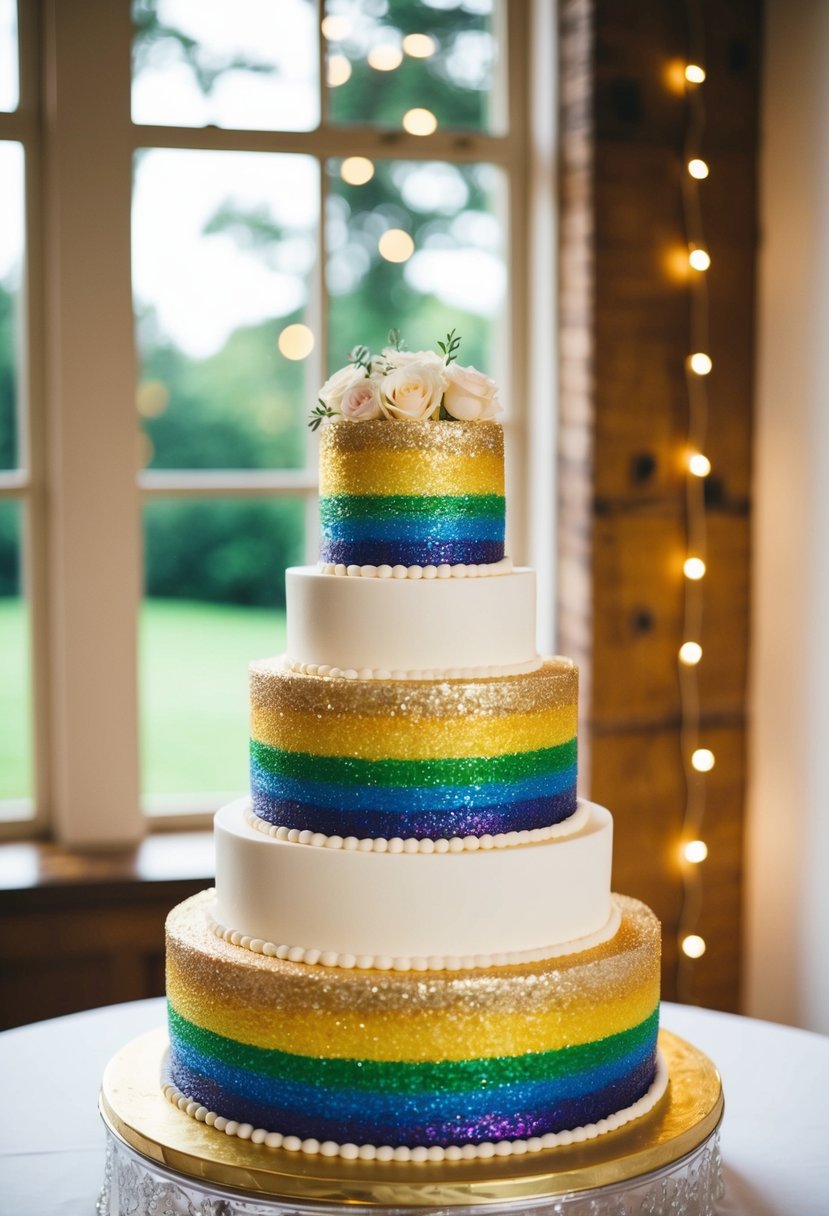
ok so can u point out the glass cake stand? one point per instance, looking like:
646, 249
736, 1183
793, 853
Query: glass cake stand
162, 1163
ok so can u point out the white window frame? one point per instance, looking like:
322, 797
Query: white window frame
80, 484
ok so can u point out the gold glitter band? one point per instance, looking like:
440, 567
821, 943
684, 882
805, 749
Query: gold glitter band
418, 458
377, 1015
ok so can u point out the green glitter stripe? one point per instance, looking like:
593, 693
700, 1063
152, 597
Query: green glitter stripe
413, 1078
409, 506
422, 774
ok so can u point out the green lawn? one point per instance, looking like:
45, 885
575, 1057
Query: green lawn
193, 660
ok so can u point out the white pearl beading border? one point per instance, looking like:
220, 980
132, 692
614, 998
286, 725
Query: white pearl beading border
397, 844
422, 1153
434, 962
491, 570
436, 673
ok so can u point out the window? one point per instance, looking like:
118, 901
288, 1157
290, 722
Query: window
219, 180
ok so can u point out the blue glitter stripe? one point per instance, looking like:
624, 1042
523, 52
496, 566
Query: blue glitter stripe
429, 824
495, 1124
381, 1107
413, 529
408, 799
425, 553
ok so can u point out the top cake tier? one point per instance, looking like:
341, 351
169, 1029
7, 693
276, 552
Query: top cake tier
412, 493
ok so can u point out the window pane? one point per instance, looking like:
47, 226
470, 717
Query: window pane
215, 600
384, 59
11, 264
451, 221
224, 245
15, 687
9, 72
241, 64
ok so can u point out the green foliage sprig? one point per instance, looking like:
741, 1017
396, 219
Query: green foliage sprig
320, 411
360, 356
450, 346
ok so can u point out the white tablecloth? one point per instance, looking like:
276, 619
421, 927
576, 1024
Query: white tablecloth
773, 1140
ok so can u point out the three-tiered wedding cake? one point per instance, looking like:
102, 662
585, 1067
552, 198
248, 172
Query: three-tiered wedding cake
412, 951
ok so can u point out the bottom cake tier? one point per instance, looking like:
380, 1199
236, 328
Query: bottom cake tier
318, 1058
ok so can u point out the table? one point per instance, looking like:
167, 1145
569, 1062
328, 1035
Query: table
773, 1140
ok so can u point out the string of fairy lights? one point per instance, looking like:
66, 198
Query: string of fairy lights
698, 760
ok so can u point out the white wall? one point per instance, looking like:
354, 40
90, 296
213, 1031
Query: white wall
788, 826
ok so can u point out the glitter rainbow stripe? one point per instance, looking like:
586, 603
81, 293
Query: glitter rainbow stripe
413, 761
409, 494
387, 1058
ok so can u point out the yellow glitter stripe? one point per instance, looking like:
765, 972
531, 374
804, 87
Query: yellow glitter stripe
334, 734
411, 1036
386, 472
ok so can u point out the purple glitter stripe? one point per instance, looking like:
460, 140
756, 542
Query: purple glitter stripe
406, 553
499, 1125
423, 825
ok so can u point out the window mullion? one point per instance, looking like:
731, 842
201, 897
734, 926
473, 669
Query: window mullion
93, 508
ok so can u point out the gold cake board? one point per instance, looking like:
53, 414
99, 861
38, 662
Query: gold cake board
137, 1112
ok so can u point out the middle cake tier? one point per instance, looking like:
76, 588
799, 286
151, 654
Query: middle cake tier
445, 760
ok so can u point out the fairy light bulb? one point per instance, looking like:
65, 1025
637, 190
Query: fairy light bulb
698, 168
395, 245
356, 170
699, 465
690, 653
695, 851
385, 58
296, 342
419, 46
693, 568
339, 71
335, 28
693, 946
700, 363
699, 259
702, 760
694, 73
419, 122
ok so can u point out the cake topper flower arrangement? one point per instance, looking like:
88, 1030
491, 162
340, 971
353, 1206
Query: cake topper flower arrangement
407, 386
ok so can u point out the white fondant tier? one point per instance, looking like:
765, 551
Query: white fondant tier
413, 905
410, 625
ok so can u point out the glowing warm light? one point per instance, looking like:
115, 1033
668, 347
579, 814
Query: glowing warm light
693, 946
152, 398
700, 363
419, 46
702, 760
694, 568
699, 259
419, 122
699, 465
296, 342
339, 70
385, 58
357, 170
690, 653
695, 851
335, 28
395, 245
694, 74
698, 168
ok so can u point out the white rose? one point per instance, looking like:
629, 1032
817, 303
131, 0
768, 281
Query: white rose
336, 386
413, 392
402, 358
361, 401
470, 395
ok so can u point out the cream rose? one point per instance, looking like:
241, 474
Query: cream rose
470, 395
402, 358
412, 392
361, 401
336, 386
